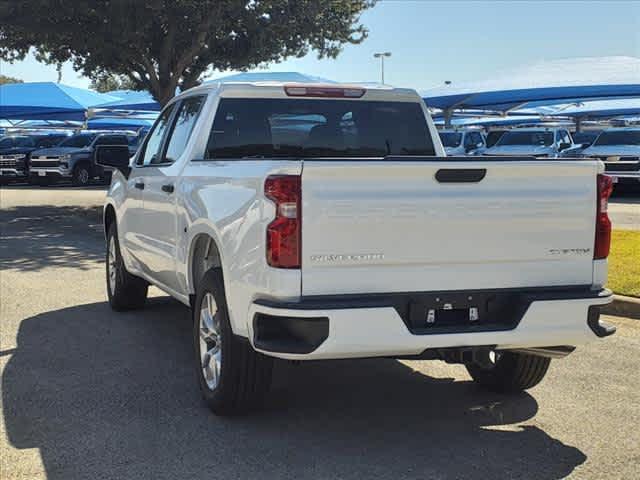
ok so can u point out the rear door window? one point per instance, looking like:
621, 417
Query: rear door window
256, 128
153, 145
183, 126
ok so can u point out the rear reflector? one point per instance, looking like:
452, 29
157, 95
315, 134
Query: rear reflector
283, 234
324, 92
603, 224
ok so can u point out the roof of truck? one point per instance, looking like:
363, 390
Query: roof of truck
276, 89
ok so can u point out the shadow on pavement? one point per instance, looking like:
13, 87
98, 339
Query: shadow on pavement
106, 395
39, 236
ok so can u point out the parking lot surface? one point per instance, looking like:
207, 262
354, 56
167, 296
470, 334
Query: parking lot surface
88, 393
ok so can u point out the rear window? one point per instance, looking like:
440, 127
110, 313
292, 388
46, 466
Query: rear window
526, 138
627, 137
246, 128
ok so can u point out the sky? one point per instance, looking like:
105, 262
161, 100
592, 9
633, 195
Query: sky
458, 41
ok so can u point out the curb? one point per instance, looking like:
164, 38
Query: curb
623, 307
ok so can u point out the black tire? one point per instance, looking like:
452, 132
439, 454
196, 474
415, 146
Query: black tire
510, 372
245, 375
81, 175
129, 291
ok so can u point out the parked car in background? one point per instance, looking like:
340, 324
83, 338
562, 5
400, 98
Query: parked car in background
15, 152
73, 159
619, 149
462, 142
585, 138
537, 142
323, 222
136, 140
493, 136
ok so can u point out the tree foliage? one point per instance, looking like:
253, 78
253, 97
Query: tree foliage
108, 82
163, 44
4, 80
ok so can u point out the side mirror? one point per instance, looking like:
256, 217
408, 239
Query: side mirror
114, 156
564, 146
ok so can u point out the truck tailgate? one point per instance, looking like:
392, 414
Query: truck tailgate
378, 226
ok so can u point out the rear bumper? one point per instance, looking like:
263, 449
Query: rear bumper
372, 326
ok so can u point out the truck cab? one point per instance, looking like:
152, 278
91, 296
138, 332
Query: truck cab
619, 149
538, 142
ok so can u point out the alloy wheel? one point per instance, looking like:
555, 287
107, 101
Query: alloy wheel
210, 341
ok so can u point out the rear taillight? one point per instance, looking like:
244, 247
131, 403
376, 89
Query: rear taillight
603, 224
283, 234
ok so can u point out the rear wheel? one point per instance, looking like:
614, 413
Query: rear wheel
233, 377
125, 291
81, 175
509, 371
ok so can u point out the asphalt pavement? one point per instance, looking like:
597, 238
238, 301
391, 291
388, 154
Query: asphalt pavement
90, 394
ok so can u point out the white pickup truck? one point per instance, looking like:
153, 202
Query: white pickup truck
324, 222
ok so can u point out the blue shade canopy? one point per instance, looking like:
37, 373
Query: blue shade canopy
47, 101
545, 83
130, 100
491, 121
597, 109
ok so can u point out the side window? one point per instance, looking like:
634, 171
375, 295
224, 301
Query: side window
477, 139
469, 140
563, 136
152, 146
184, 122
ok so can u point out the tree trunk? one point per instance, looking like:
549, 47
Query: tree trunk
165, 93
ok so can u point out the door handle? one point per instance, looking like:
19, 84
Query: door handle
460, 175
139, 185
167, 188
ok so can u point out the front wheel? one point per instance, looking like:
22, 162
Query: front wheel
233, 377
125, 291
81, 175
506, 371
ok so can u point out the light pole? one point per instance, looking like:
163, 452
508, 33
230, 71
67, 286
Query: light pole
381, 56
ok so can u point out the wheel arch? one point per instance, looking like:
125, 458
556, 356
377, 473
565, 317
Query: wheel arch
108, 218
204, 254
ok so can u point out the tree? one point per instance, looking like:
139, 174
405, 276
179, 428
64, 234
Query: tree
4, 80
163, 44
107, 82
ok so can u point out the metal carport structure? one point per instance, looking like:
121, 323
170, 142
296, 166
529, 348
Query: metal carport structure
547, 83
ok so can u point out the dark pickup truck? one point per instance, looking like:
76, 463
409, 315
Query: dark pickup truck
15, 152
73, 159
